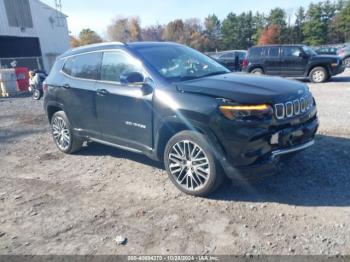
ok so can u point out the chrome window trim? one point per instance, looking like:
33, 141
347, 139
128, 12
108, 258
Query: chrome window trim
146, 74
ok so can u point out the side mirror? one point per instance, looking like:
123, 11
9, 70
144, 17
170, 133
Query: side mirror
302, 55
132, 78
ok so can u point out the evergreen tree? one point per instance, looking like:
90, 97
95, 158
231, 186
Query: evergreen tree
314, 29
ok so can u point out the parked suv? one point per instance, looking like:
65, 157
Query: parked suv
178, 106
293, 61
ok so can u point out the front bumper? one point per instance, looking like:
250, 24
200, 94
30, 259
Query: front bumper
337, 70
259, 155
293, 149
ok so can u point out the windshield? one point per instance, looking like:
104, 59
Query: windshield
309, 51
180, 63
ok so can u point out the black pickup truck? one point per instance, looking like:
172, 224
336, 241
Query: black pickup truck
293, 61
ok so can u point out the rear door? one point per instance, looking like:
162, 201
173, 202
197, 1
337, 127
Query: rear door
272, 61
77, 91
241, 57
292, 63
124, 112
228, 60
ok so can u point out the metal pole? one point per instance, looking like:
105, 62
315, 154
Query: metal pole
38, 63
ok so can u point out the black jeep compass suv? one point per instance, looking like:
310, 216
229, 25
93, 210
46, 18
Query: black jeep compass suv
176, 105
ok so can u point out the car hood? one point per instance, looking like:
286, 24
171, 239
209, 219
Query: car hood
245, 89
326, 58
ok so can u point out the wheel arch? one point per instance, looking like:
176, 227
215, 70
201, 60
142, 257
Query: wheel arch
52, 108
170, 127
325, 66
256, 67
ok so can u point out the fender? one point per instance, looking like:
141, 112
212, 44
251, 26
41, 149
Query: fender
53, 104
170, 125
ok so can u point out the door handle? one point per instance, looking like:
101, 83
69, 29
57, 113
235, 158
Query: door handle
102, 92
66, 86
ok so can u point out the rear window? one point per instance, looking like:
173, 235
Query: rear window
255, 52
273, 52
84, 66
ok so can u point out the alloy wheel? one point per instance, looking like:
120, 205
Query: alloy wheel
61, 133
189, 165
318, 76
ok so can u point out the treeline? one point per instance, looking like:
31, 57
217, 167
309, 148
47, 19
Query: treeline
325, 22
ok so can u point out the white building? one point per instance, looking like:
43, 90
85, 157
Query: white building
32, 34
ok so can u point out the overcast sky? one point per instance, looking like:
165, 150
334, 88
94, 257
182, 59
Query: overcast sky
97, 14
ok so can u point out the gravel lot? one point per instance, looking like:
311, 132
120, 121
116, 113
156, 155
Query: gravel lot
51, 203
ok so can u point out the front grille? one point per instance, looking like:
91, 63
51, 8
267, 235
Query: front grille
293, 108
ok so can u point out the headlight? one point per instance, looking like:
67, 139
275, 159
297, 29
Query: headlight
246, 112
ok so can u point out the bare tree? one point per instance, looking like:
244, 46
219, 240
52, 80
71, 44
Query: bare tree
152, 33
125, 30
88, 36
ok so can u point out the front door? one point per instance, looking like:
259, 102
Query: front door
124, 111
292, 62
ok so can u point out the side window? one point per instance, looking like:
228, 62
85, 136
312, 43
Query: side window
84, 66
291, 51
255, 52
242, 55
228, 55
116, 63
273, 52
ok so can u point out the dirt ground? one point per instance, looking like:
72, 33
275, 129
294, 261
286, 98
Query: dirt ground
51, 203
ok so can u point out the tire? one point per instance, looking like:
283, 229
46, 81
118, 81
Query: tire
318, 75
36, 94
257, 71
191, 165
62, 134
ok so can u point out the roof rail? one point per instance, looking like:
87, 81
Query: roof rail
98, 44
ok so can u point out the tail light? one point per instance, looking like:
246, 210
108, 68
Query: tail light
245, 63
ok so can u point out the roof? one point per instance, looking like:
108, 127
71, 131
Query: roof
275, 45
229, 51
91, 48
112, 45
147, 44
50, 7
